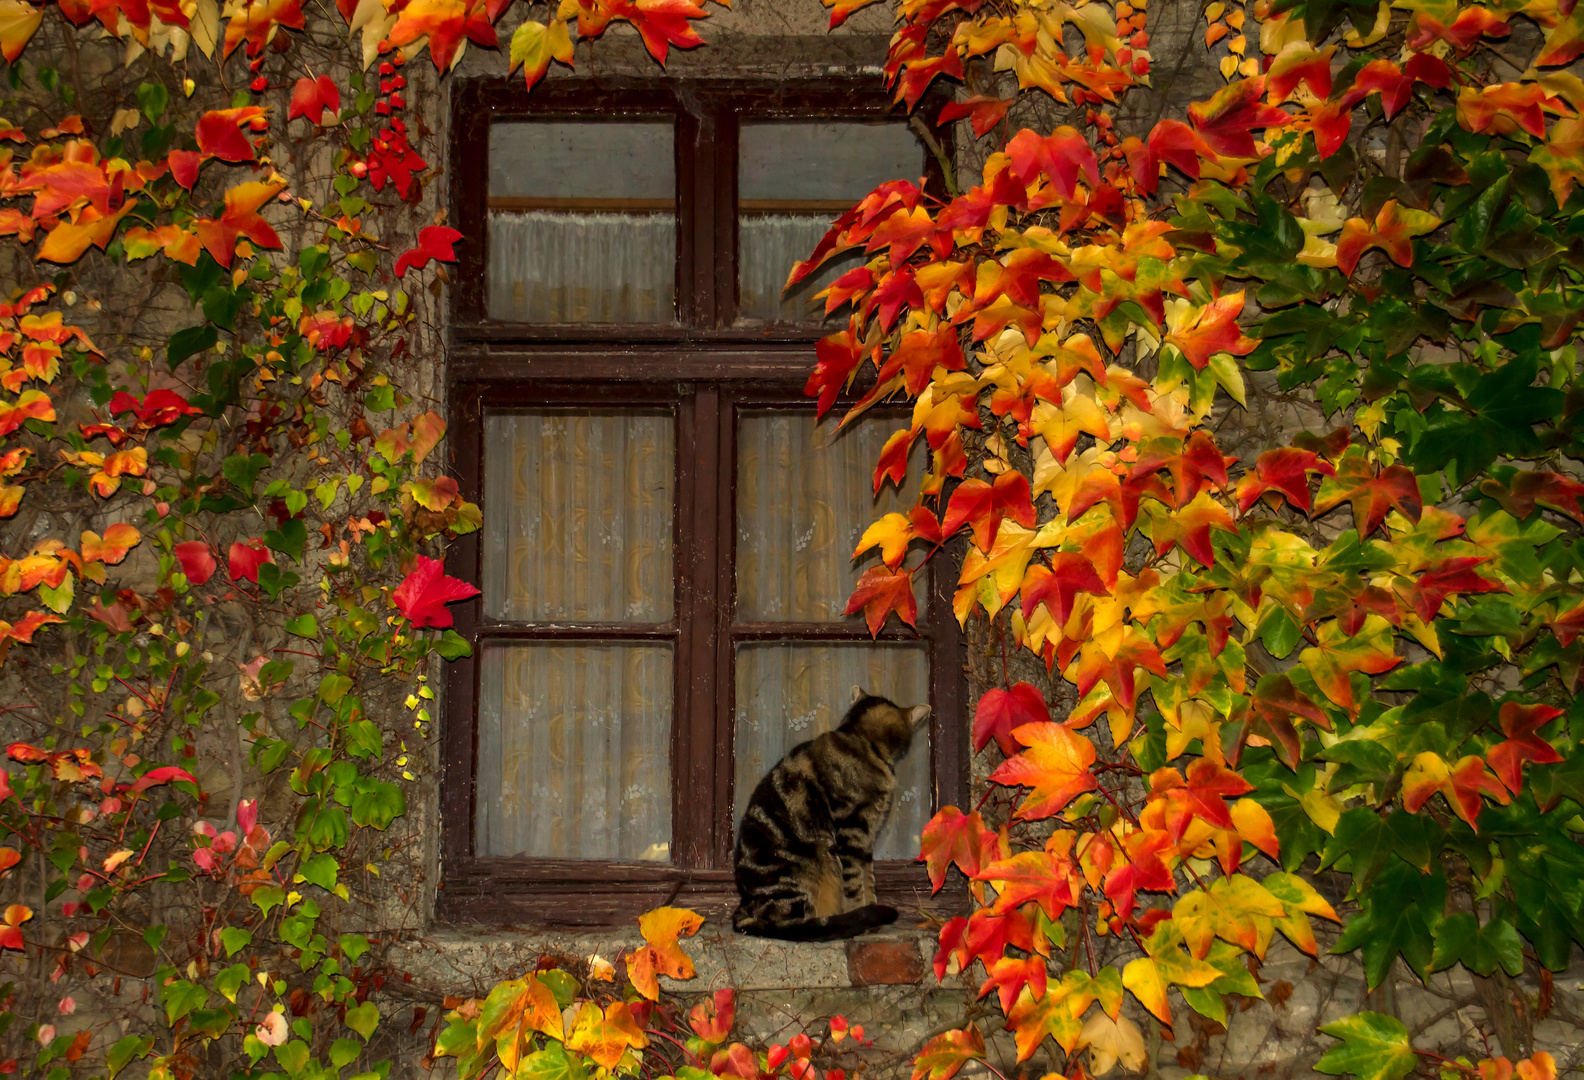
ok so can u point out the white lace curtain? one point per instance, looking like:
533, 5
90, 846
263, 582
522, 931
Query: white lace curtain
556, 267
769, 245
574, 738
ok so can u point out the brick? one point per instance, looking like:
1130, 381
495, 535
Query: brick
884, 963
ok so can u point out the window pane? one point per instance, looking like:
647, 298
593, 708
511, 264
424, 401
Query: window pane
802, 507
580, 516
582, 225
793, 179
788, 693
574, 751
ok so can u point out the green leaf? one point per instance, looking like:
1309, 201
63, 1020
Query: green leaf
379, 806
152, 98
289, 539
231, 980
121, 1054
321, 870
343, 1052
453, 646
363, 1019
562, 985
304, 625
551, 1063
235, 938
180, 998
1461, 939
184, 343
1374, 1047
354, 946
268, 897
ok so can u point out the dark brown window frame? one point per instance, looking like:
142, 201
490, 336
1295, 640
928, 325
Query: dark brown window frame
707, 371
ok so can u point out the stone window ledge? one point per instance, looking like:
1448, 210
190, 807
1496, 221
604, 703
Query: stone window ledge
467, 962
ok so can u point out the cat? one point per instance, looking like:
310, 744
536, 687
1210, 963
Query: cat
805, 848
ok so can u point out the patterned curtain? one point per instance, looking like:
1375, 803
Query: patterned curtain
553, 267
574, 739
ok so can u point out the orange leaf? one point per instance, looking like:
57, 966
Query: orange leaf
1462, 784
881, 591
113, 547
952, 838
605, 1034
1393, 231
661, 928
942, 1056
1055, 768
1212, 329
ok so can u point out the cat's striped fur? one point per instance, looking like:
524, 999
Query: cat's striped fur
805, 847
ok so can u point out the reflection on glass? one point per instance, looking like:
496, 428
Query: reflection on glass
574, 756
793, 179
582, 224
789, 692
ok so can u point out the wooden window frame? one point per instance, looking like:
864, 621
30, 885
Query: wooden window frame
707, 371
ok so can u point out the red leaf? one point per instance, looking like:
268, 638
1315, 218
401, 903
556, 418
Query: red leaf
881, 591
1228, 118
953, 838
434, 242
219, 136
162, 775
197, 561
984, 112
1371, 495
983, 506
1445, 578
311, 97
184, 166
1285, 470
1070, 573
838, 356
1060, 156
1212, 329
245, 558
1519, 723
1001, 712
424, 593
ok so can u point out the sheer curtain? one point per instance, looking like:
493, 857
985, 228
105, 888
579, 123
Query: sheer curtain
556, 267
768, 247
804, 500
574, 737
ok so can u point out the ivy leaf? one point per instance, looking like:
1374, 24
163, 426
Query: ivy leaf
363, 1019
946, 1053
1461, 939
605, 1034
1055, 767
1374, 1047
1001, 712
425, 591
311, 97
1393, 230
434, 242
879, 592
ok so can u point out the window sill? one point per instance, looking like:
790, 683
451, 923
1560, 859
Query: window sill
454, 959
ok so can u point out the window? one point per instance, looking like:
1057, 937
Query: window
666, 556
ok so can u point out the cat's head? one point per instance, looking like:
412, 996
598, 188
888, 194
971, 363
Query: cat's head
884, 723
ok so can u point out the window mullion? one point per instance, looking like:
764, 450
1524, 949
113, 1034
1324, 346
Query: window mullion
694, 817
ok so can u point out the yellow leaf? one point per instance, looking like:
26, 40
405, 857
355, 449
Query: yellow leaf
1110, 1041
17, 23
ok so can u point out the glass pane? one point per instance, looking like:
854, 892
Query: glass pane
582, 224
580, 516
574, 751
793, 179
802, 507
788, 693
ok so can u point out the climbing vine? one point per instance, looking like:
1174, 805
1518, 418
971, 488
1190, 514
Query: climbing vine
1357, 651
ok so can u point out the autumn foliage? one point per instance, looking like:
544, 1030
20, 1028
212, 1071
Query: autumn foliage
1355, 651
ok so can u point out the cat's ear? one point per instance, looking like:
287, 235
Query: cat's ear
918, 714
857, 694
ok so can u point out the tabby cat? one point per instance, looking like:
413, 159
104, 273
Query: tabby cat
805, 849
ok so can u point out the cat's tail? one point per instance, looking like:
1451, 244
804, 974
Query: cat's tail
825, 928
